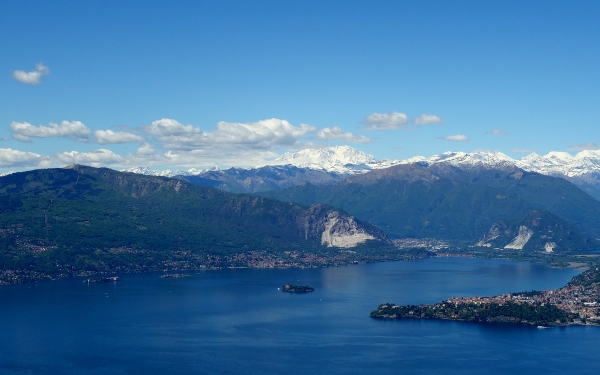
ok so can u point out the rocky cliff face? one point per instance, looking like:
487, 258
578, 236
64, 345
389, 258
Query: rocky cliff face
343, 232
539, 231
337, 229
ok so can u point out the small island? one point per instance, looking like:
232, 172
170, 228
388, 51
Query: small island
174, 275
578, 303
102, 280
297, 288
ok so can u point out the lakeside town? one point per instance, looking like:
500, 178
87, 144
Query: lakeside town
128, 260
577, 303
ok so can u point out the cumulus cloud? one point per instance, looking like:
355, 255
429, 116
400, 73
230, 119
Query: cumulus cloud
109, 136
264, 134
23, 131
385, 121
456, 138
261, 135
497, 132
16, 158
428, 120
95, 158
584, 146
145, 149
168, 127
337, 133
33, 77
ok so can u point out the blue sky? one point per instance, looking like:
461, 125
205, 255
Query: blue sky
237, 83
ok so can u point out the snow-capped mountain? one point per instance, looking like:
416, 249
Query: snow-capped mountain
337, 159
479, 159
348, 160
149, 172
168, 173
345, 159
562, 163
582, 169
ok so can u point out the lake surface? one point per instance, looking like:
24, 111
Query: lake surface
237, 322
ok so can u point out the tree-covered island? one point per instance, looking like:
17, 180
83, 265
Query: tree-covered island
576, 303
297, 288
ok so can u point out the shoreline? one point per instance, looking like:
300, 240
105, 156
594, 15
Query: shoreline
576, 303
269, 260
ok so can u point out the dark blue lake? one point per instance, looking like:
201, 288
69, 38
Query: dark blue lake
237, 322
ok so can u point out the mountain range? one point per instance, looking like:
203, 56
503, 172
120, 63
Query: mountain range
83, 219
446, 202
452, 196
332, 164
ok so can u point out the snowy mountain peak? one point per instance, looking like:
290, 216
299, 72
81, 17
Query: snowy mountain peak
168, 173
487, 159
559, 157
532, 157
587, 154
333, 159
581, 168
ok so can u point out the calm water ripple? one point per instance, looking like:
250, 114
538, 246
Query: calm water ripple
236, 321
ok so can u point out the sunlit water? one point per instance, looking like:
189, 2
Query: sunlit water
237, 322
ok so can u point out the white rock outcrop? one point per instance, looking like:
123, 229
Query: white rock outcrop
343, 232
550, 246
521, 240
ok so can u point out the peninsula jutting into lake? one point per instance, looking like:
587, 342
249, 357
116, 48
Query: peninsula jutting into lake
578, 303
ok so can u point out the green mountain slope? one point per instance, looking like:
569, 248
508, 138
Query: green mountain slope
81, 212
416, 201
552, 194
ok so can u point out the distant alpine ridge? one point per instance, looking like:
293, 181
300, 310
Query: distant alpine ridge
348, 160
582, 169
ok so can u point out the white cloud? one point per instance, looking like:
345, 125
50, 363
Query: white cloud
15, 158
33, 77
145, 149
306, 145
109, 136
456, 138
428, 120
337, 133
497, 132
145, 155
385, 121
168, 127
584, 146
261, 135
95, 158
3, 139
23, 131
